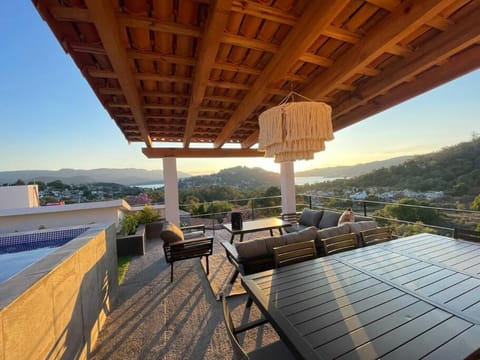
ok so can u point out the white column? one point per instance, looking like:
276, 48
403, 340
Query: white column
172, 211
287, 184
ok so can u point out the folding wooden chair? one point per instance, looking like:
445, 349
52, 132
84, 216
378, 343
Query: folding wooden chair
294, 253
339, 243
376, 235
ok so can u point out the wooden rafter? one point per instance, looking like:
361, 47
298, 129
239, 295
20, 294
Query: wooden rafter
296, 44
217, 18
103, 16
403, 20
200, 153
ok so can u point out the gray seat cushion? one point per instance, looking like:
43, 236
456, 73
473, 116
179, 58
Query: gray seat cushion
357, 227
333, 231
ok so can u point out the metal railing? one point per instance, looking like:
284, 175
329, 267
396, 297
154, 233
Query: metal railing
253, 208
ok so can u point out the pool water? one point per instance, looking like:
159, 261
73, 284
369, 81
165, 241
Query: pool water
20, 250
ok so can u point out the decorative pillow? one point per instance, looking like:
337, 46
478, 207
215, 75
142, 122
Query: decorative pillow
333, 231
171, 233
310, 217
358, 226
251, 249
329, 219
347, 216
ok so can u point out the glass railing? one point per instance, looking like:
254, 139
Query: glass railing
404, 218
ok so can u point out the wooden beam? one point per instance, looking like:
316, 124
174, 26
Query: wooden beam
455, 39
105, 20
214, 29
401, 22
155, 153
251, 140
465, 62
317, 16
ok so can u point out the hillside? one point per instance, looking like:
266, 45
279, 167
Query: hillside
455, 170
76, 176
240, 177
353, 170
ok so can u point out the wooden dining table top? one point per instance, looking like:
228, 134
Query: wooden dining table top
410, 298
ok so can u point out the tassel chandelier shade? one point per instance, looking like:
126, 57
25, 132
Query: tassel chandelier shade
295, 130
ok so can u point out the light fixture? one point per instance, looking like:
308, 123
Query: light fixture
295, 130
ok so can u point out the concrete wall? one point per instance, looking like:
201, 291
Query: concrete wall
56, 308
20, 196
12, 220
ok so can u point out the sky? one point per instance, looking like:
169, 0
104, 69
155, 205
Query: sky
51, 119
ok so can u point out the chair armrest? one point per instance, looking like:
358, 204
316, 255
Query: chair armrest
193, 228
190, 242
232, 255
291, 217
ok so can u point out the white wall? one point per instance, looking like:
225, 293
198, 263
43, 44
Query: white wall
19, 196
26, 219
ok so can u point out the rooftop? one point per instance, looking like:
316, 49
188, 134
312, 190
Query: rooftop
199, 71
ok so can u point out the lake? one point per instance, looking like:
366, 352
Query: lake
298, 181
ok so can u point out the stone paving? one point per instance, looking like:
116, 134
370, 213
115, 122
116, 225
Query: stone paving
156, 319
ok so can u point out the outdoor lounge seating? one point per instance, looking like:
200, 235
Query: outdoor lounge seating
185, 243
464, 234
274, 350
321, 219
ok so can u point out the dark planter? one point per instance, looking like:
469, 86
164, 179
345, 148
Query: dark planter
132, 244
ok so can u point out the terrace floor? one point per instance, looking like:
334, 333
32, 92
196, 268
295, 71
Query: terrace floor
156, 319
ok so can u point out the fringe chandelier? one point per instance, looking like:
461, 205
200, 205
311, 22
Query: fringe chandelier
295, 130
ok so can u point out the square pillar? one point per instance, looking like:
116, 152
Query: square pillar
170, 179
287, 185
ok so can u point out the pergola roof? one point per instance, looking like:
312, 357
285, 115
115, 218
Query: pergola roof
201, 71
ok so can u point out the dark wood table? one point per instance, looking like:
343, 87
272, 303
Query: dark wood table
257, 225
415, 297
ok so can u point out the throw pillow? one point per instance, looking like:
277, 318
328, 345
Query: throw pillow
329, 219
347, 216
251, 249
171, 233
310, 217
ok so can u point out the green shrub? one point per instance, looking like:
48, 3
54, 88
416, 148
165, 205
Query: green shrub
147, 215
129, 224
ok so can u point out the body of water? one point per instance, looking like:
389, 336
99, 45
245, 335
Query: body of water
298, 181
314, 179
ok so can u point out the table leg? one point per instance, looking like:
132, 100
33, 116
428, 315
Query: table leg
234, 277
271, 232
241, 237
231, 238
280, 230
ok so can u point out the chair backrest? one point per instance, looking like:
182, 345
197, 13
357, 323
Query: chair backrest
294, 253
238, 352
376, 235
339, 243
464, 234
292, 218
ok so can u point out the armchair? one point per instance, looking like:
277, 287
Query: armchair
185, 243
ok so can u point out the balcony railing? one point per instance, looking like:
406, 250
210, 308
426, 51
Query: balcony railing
446, 219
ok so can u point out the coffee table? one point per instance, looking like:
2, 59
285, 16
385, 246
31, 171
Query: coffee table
256, 225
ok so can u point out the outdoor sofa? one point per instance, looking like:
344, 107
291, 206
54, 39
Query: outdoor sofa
256, 255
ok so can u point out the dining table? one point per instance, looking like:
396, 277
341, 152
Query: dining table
409, 298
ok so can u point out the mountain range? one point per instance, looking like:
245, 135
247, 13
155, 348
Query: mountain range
354, 170
77, 176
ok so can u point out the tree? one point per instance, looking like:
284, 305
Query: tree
402, 211
475, 203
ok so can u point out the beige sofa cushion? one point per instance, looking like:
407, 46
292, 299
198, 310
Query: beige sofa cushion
251, 249
357, 227
333, 231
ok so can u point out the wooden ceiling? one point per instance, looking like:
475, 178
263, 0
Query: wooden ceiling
201, 71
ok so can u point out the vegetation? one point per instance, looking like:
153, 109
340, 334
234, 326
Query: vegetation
123, 264
130, 222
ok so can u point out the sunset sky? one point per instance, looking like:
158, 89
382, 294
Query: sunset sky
51, 118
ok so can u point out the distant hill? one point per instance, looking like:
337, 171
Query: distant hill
454, 169
76, 176
353, 170
240, 177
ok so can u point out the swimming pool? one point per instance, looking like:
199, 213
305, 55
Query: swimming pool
20, 250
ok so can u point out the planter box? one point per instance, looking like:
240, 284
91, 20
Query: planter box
132, 244
153, 230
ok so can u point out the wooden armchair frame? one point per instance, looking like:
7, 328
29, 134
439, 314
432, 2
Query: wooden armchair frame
189, 248
339, 243
376, 236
